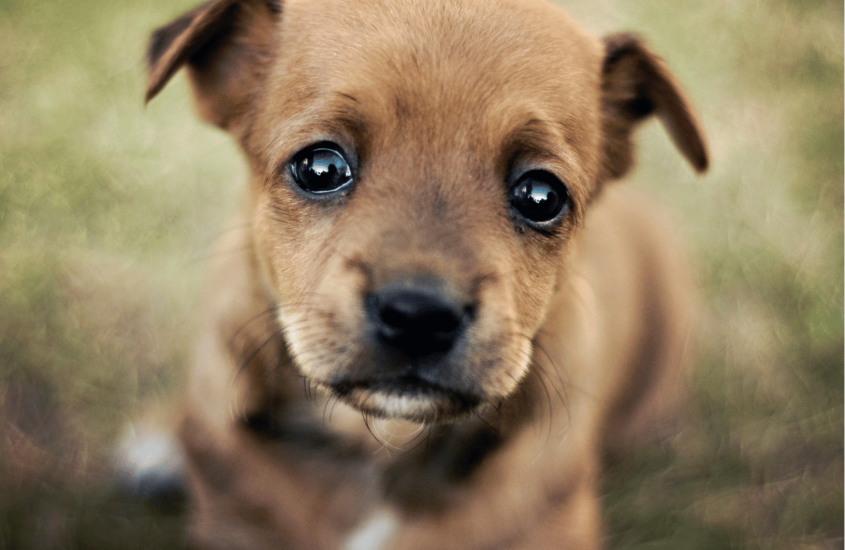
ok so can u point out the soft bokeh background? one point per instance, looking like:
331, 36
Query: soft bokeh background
108, 211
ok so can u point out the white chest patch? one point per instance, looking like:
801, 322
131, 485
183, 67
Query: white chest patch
374, 534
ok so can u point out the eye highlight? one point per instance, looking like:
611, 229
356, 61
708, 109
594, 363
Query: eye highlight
539, 198
321, 169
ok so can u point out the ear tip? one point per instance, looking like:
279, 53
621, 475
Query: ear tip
700, 159
700, 163
165, 48
153, 88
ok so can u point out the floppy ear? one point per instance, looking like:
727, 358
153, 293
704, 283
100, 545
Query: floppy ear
226, 46
636, 85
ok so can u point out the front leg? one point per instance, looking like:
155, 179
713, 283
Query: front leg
275, 486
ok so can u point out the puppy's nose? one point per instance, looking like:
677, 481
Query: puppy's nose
417, 321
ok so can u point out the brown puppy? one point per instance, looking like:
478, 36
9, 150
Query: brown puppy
441, 312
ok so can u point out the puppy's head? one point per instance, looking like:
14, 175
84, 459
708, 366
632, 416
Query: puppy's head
420, 170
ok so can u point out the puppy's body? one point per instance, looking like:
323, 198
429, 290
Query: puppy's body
314, 474
423, 357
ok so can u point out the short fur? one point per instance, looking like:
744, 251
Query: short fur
578, 335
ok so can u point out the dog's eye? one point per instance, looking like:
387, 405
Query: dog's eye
321, 169
539, 196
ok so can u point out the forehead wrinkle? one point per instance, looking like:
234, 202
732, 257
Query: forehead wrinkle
433, 59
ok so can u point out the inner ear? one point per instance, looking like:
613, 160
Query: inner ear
635, 85
226, 46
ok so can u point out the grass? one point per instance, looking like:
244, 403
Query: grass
108, 211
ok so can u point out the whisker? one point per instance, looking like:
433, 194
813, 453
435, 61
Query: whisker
364, 415
245, 364
269, 311
326, 408
489, 426
425, 428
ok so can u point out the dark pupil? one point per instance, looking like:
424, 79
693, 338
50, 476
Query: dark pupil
536, 200
322, 171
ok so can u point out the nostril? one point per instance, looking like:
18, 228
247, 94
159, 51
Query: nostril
421, 316
397, 315
439, 322
417, 322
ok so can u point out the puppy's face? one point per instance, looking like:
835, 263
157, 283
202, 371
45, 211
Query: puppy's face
420, 170
422, 174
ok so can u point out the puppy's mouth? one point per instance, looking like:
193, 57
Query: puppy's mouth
407, 397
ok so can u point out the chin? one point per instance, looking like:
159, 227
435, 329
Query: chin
407, 398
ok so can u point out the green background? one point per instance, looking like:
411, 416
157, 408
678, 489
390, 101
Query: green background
108, 212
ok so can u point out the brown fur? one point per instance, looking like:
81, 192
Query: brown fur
578, 336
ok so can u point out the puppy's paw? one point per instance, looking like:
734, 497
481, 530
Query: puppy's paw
149, 465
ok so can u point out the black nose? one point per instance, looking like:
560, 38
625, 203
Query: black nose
417, 321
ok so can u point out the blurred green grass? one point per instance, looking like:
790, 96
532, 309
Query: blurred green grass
108, 211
